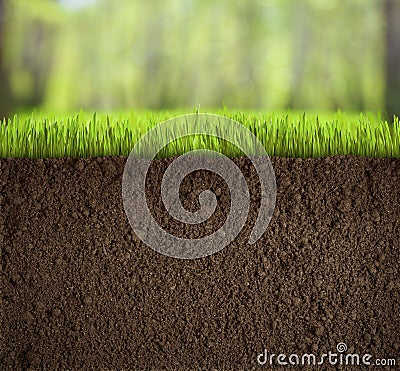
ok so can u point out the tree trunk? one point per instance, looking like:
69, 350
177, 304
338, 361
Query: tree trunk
5, 91
301, 38
392, 98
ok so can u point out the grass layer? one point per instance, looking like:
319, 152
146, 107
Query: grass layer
287, 134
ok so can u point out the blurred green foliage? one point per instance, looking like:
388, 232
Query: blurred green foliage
116, 54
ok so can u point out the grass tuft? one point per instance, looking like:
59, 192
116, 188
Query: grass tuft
287, 134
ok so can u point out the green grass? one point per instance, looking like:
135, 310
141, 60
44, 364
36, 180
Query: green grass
286, 134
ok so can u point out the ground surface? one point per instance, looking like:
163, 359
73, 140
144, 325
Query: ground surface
79, 290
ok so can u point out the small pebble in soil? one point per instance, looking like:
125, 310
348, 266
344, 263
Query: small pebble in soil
319, 330
79, 166
367, 338
87, 300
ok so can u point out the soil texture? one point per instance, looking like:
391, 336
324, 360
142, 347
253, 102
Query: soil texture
79, 290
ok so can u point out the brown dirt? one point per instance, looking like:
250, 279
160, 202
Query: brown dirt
79, 290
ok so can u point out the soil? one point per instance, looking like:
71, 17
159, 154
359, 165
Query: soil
79, 290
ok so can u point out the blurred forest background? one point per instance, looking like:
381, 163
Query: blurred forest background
64, 55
